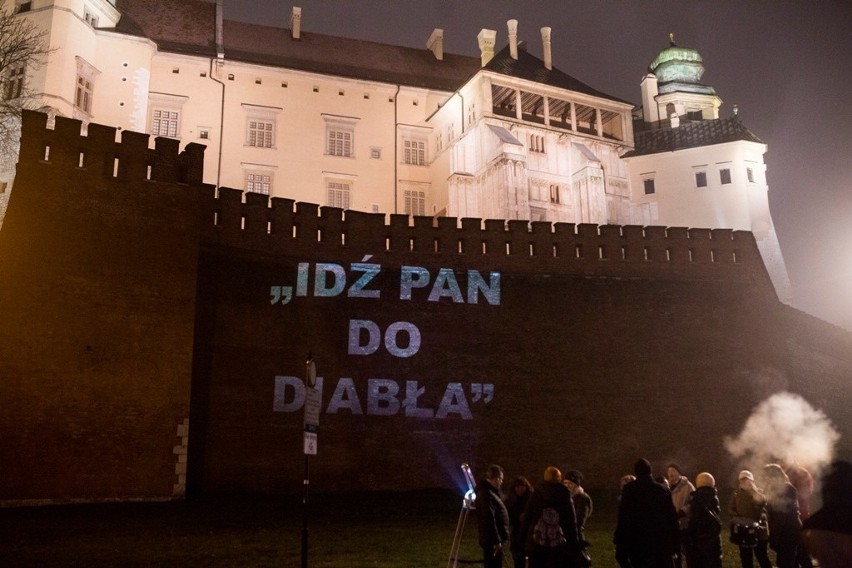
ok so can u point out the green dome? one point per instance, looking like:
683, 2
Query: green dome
679, 70
680, 64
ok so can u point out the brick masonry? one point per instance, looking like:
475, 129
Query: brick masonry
136, 299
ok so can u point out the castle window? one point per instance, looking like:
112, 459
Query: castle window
694, 115
164, 114
260, 133
554, 194
700, 179
340, 136
339, 193
414, 152
375, 153
260, 125
536, 143
725, 176
648, 184
415, 202
90, 18
13, 82
24, 7
258, 182
750, 174
165, 123
339, 142
85, 88
83, 98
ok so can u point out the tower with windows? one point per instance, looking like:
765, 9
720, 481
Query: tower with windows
692, 168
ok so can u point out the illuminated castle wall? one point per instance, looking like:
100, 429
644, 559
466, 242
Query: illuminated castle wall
155, 333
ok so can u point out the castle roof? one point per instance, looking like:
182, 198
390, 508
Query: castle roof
531, 68
189, 26
691, 135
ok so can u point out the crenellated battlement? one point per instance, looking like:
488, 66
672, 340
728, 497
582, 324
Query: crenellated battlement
253, 222
97, 153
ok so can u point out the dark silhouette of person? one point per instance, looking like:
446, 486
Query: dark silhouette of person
492, 517
647, 529
828, 532
516, 504
550, 524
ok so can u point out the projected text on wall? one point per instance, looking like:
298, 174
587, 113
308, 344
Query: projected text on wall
399, 339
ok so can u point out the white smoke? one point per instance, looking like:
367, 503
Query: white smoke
784, 427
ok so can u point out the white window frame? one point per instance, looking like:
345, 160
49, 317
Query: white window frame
164, 114
414, 202
414, 151
340, 135
258, 181
14, 80
261, 125
338, 193
84, 88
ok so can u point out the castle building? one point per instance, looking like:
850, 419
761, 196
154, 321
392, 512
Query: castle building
371, 127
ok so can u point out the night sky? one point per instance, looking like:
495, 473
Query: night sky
786, 65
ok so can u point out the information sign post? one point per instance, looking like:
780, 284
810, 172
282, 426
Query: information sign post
312, 411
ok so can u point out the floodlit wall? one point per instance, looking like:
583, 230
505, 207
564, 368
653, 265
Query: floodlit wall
155, 333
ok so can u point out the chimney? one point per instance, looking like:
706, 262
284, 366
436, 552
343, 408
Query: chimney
513, 38
220, 36
545, 45
296, 23
486, 39
436, 43
650, 111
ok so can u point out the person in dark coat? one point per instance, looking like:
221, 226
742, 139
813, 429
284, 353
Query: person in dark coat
550, 524
492, 517
516, 504
782, 507
748, 506
704, 530
828, 532
582, 502
647, 529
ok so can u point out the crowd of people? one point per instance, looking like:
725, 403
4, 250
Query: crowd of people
668, 521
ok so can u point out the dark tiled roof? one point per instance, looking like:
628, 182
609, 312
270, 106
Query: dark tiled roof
183, 26
691, 135
347, 57
188, 26
529, 67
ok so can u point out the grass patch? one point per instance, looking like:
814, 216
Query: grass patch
383, 530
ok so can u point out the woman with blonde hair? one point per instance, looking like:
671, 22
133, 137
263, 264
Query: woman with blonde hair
704, 528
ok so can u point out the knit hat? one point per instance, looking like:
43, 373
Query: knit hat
574, 477
746, 474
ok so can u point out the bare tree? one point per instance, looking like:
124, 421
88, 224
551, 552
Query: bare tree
23, 49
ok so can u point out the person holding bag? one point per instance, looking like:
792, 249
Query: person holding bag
749, 527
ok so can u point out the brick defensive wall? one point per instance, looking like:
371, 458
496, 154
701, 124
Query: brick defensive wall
148, 350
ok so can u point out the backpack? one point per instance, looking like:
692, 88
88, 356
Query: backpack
547, 531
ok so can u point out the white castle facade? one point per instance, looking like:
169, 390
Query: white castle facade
387, 129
